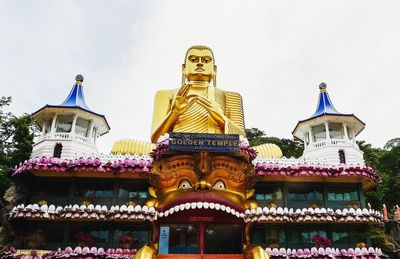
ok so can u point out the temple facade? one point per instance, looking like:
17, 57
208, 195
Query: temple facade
193, 195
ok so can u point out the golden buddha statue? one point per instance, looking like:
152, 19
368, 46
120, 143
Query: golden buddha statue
197, 107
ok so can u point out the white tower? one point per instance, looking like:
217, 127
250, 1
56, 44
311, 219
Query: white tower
329, 135
70, 128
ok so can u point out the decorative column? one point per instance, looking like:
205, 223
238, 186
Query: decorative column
354, 136
53, 124
74, 123
346, 135
91, 125
43, 129
328, 136
95, 135
310, 135
305, 140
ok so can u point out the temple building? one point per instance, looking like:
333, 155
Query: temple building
198, 190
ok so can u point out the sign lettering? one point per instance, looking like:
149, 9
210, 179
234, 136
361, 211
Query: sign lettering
203, 142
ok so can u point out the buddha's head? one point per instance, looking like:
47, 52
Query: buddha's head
199, 65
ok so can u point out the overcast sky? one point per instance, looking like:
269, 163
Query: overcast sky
275, 53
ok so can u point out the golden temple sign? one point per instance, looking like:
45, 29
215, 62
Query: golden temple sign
203, 142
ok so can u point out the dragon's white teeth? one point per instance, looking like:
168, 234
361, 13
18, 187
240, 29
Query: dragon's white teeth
176, 208
206, 205
223, 207
217, 206
171, 211
227, 209
199, 205
182, 207
187, 205
212, 205
193, 205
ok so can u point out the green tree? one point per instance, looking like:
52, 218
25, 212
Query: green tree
16, 139
392, 143
387, 163
290, 148
372, 158
390, 171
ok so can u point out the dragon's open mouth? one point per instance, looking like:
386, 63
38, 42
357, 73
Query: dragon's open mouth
210, 201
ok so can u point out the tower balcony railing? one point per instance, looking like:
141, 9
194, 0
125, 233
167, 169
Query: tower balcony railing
65, 136
331, 142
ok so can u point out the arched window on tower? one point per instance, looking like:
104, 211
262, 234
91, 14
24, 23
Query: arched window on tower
57, 150
342, 157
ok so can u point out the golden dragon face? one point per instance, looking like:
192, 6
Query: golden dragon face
211, 180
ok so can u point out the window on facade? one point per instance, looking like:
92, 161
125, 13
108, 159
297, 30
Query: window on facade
135, 193
89, 236
302, 236
269, 192
342, 157
345, 237
268, 236
57, 150
319, 132
81, 127
139, 233
305, 193
341, 193
64, 123
336, 130
54, 192
94, 192
51, 233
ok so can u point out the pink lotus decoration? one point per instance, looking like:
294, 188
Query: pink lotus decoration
57, 165
306, 169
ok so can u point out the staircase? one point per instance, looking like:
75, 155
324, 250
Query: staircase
200, 256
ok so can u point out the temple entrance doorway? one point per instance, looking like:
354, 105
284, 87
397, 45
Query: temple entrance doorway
201, 232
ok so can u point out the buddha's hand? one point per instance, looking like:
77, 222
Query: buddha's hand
182, 102
213, 108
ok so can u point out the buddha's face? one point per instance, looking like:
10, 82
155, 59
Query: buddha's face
199, 65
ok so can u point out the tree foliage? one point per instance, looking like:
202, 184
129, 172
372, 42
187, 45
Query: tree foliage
290, 148
16, 139
392, 143
387, 163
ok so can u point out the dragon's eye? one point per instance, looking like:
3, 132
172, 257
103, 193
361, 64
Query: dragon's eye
184, 185
219, 185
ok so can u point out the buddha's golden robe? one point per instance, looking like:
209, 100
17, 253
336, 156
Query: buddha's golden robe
197, 119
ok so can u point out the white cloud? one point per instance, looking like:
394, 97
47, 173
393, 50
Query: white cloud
275, 53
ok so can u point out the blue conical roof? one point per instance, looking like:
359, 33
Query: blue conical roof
325, 105
76, 98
